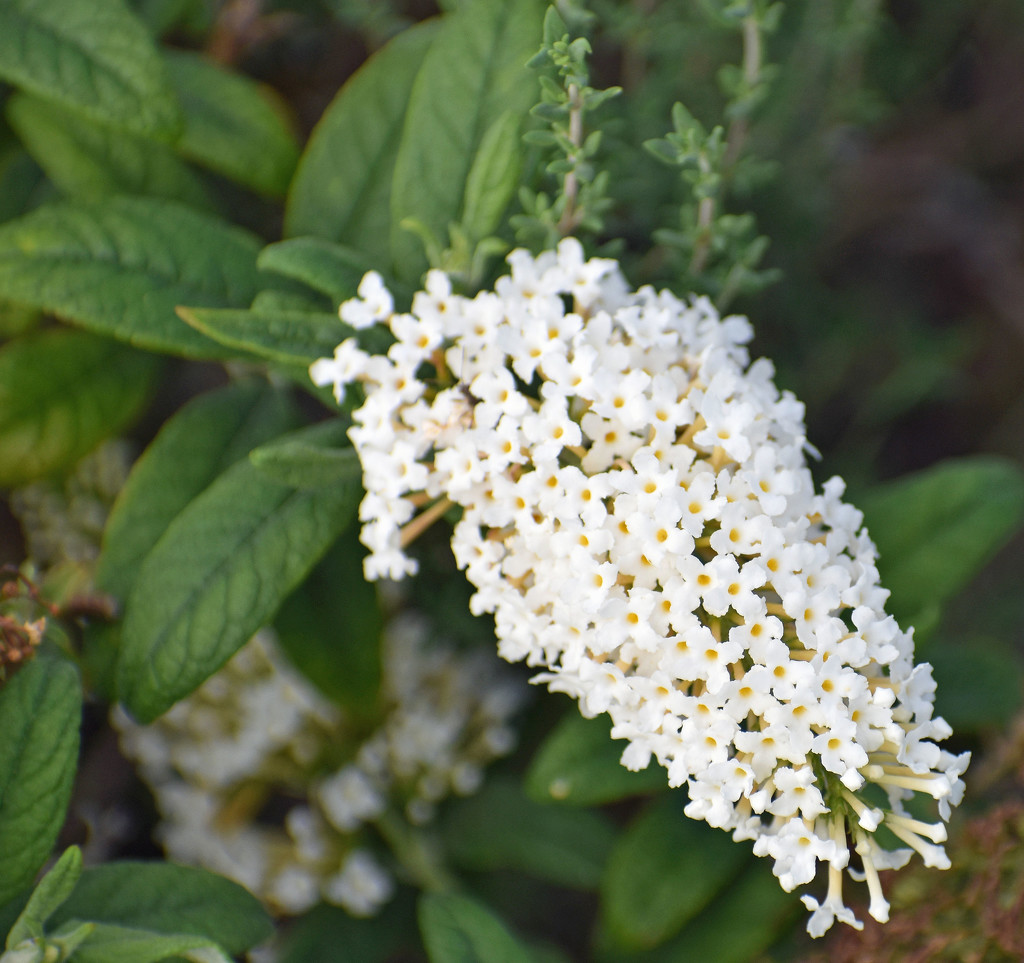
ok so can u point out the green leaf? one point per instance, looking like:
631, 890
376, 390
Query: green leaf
578, 764
662, 872
318, 934
322, 265
121, 944
474, 74
233, 125
457, 929
94, 56
330, 628
740, 924
52, 890
563, 846
342, 188
61, 393
169, 899
493, 178
88, 159
219, 572
202, 440
979, 680
936, 529
121, 265
305, 460
285, 336
40, 713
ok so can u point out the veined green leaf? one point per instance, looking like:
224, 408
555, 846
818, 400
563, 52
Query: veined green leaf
662, 872
61, 393
307, 460
578, 764
95, 56
286, 336
322, 265
120, 266
169, 899
554, 843
201, 441
219, 572
342, 187
472, 75
233, 125
87, 159
493, 177
457, 929
40, 714
936, 529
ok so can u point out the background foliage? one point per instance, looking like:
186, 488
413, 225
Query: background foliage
189, 189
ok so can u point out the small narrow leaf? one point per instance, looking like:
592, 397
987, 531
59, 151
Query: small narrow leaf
563, 846
169, 899
92, 55
326, 267
40, 714
120, 266
578, 764
457, 929
88, 159
194, 447
285, 336
936, 529
53, 889
662, 872
122, 944
342, 187
233, 125
219, 572
61, 393
474, 74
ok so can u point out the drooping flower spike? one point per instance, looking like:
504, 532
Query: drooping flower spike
638, 515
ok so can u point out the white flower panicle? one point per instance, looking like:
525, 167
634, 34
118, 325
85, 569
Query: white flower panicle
257, 737
638, 515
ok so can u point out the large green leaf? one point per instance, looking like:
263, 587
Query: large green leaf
169, 899
578, 764
501, 828
342, 188
95, 56
61, 393
233, 125
662, 872
474, 74
201, 441
457, 929
219, 572
936, 529
40, 714
318, 934
330, 628
88, 159
306, 459
120, 266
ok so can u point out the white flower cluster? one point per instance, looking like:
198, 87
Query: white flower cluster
260, 778
638, 515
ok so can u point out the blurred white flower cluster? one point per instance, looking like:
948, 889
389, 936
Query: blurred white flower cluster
638, 515
258, 777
